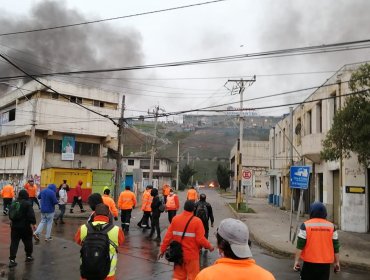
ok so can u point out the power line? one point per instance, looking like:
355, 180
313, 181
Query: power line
109, 19
334, 47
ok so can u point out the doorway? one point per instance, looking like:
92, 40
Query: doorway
336, 197
320, 186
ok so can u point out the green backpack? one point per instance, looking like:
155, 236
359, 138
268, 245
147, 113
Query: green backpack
15, 212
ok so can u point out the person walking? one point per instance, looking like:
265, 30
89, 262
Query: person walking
7, 194
146, 208
156, 213
192, 194
31, 189
192, 242
165, 192
115, 235
172, 205
126, 202
22, 225
203, 210
317, 245
64, 185
77, 198
236, 261
63, 199
107, 200
48, 201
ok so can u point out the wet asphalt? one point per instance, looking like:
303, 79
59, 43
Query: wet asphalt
59, 258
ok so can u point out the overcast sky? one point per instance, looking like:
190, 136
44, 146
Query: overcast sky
218, 29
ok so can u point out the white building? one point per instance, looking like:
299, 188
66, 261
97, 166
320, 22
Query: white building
329, 181
255, 157
55, 117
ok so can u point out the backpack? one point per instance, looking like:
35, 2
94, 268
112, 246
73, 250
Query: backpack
202, 212
15, 212
95, 256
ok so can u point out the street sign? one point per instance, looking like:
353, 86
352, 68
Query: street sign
299, 177
350, 189
247, 177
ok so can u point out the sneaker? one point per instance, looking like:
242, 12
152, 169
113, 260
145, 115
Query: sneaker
83, 210
55, 221
158, 239
71, 211
12, 263
48, 239
36, 237
29, 259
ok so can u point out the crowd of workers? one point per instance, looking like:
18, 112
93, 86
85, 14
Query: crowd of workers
317, 243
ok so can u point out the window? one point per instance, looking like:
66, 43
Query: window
145, 164
95, 150
319, 117
54, 95
49, 147
284, 140
12, 149
12, 115
309, 122
85, 149
98, 103
130, 162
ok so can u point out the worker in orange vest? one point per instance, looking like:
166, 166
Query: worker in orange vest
31, 189
7, 194
107, 200
192, 242
236, 262
126, 202
317, 245
146, 208
192, 194
165, 191
172, 205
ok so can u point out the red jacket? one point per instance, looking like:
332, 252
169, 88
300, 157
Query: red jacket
78, 190
194, 238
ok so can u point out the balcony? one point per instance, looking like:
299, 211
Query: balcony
311, 146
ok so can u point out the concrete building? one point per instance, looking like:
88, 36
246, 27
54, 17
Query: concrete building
255, 158
41, 129
330, 182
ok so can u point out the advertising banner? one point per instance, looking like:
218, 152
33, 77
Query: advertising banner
68, 147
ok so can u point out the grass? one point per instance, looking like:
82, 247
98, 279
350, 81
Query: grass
243, 208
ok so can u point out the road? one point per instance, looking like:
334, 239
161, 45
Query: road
59, 259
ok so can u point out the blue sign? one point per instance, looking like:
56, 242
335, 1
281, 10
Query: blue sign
299, 177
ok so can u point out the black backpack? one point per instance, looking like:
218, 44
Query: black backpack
15, 211
95, 257
202, 212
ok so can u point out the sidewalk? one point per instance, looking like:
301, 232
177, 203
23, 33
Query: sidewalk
269, 227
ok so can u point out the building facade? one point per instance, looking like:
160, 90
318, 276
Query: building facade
255, 158
297, 140
41, 129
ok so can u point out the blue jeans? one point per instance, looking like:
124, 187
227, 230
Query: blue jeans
46, 220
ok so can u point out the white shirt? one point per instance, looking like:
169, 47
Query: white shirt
63, 198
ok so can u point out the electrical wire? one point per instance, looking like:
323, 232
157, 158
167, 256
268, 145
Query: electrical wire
109, 19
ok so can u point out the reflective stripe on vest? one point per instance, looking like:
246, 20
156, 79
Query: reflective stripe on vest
319, 241
113, 236
180, 233
171, 202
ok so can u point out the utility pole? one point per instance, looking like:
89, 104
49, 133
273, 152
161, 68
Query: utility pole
32, 138
117, 186
155, 112
178, 165
239, 88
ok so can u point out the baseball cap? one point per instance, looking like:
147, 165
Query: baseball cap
236, 233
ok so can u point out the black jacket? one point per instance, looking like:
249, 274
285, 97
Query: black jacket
28, 216
209, 210
155, 206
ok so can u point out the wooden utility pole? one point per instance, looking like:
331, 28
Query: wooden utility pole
117, 186
32, 137
239, 88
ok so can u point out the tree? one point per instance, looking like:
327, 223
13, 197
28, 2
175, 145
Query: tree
351, 126
186, 173
223, 176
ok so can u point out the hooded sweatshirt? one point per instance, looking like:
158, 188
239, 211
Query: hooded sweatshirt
48, 199
28, 215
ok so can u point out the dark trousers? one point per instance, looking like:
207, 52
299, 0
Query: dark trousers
76, 201
24, 234
62, 208
165, 199
171, 214
155, 226
35, 200
317, 271
206, 230
6, 204
125, 219
145, 221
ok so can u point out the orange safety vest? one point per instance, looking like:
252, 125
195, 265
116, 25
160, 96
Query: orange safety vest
166, 189
107, 200
147, 202
171, 203
192, 194
31, 190
7, 191
126, 200
319, 241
